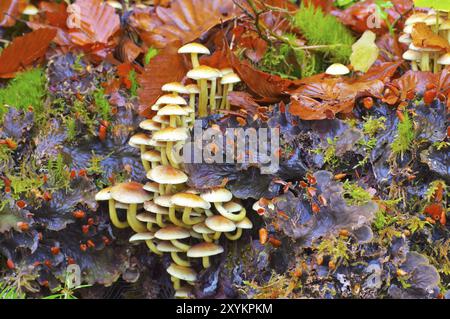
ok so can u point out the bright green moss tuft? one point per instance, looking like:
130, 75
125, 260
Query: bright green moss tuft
405, 135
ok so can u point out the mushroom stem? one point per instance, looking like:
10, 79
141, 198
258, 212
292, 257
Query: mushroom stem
192, 105
216, 235
425, 62
178, 260
164, 160
205, 262
224, 97
159, 221
169, 147
136, 225
152, 247
173, 217
187, 217
414, 66
206, 238
234, 236
230, 216
144, 162
113, 215
230, 89
169, 188
212, 95
194, 59
203, 99
150, 226
180, 245
173, 121
176, 282
161, 189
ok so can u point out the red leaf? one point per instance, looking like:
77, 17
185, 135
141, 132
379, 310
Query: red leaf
25, 50
167, 66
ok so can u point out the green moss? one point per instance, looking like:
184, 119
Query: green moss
324, 29
71, 129
151, 53
102, 105
336, 248
355, 195
58, 173
405, 135
26, 90
134, 83
373, 125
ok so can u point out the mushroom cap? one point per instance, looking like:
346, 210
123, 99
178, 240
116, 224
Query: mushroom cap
133, 145
120, 205
156, 143
192, 89
218, 195
337, 69
170, 134
416, 17
30, 10
181, 272
140, 139
188, 109
104, 194
405, 38
166, 174
130, 193
192, 191
204, 250
167, 247
444, 59
226, 71
150, 125
171, 99
189, 200
433, 19
174, 87
412, 55
151, 187
172, 233
163, 201
413, 47
172, 109
194, 47
154, 208
408, 29
201, 228
141, 236
256, 206
203, 72
161, 119
230, 78
146, 218
220, 224
232, 207
151, 156
115, 4
246, 223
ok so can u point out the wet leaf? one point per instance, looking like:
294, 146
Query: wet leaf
423, 37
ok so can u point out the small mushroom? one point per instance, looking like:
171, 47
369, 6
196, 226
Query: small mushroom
147, 218
194, 49
174, 87
220, 225
219, 196
192, 90
412, 56
148, 238
105, 194
204, 251
213, 89
243, 224
152, 156
168, 247
181, 273
204, 230
164, 201
174, 234
228, 82
173, 111
202, 73
189, 201
142, 140
131, 193
167, 175
337, 69
158, 210
30, 10
150, 125
444, 60
170, 135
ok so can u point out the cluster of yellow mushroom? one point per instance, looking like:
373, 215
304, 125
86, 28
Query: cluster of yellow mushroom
165, 213
427, 56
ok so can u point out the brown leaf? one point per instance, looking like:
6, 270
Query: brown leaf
185, 20
25, 50
92, 21
10, 9
423, 37
167, 66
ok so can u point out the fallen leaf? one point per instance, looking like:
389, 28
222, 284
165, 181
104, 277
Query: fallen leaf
25, 50
423, 37
364, 52
167, 66
92, 21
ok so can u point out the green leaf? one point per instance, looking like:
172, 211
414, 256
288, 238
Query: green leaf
442, 5
364, 52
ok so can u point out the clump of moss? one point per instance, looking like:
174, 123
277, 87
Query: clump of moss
355, 195
26, 90
405, 135
58, 172
325, 30
151, 53
101, 103
336, 248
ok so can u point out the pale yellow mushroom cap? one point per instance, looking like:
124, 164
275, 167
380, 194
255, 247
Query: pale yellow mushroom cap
411, 55
181, 272
444, 59
337, 69
230, 78
154, 208
203, 72
104, 194
232, 207
151, 156
140, 139
150, 125
163, 201
218, 195
172, 233
167, 247
141, 237
171, 99
130, 193
115, 4
204, 250
201, 228
166, 174
246, 223
220, 224
194, 48
192, 89
174, 87
172, 109
146, 218
189, 200
30, 10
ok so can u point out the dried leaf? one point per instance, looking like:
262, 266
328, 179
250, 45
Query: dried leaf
167, 66
25, 50
423, 37
92, 21
185, 20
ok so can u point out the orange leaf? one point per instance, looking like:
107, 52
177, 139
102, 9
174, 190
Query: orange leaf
10, 9
92, 21
423, 37
167, 66
25, 50
185, 20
